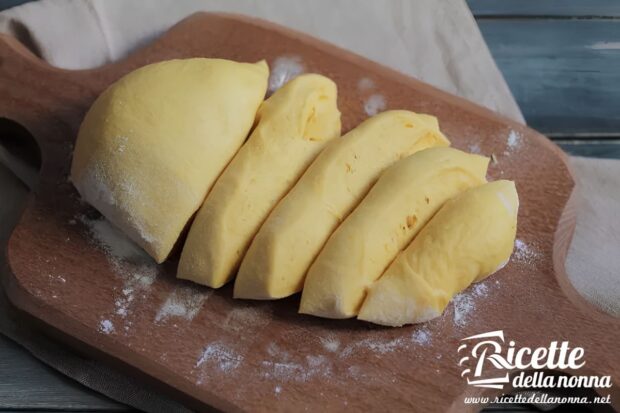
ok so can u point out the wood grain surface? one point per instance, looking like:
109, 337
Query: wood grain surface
236, 355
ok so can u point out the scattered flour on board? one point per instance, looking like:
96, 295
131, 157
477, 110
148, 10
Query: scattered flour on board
284, 69
57, 278
106, 327
374, 104
276, 351
365, 84
421, 336
474, 148
465, 303
247, 318
524, 253
137, 270
330, 344
184, 302
220, 356
287, 371
513, 142
112, 240
94, 188
279, 365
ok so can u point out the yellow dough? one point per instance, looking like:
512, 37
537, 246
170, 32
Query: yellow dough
468, 239
153, 144
279, 256
402, 201
293, 126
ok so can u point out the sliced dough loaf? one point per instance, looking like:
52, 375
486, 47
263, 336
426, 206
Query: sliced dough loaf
281, 253
294, 125
469, 238
153, 144
404, 199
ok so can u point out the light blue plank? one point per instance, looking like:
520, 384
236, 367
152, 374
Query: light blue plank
565, 74
592, 148
558, 8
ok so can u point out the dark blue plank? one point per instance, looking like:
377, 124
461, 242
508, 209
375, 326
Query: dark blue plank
565, 74
536, 8
596, 149
7, 4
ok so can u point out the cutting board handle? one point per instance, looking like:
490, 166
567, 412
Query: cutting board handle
41, 108
10, 44
19, 150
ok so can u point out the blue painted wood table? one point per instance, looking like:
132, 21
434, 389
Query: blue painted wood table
561, 59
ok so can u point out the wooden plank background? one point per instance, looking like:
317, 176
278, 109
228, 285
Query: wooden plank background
565, 74
28, 384
561, 59
545, 8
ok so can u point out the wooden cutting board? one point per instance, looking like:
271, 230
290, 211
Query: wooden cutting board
207, 349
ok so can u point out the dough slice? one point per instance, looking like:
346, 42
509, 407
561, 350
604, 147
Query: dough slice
294, 125
153, 144
468, 239
402, 201
277, 260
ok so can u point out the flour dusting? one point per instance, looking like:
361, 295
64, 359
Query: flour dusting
283, 371
128, 261
284, 68
374, 104
94, 188
106, 327
330, 344
288, 371
465, 303
245, 318
109, 238
474, 148
57, 278
220, 356
421, 336
365, 84
524, 252
514, 140
276, 351
183, 302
